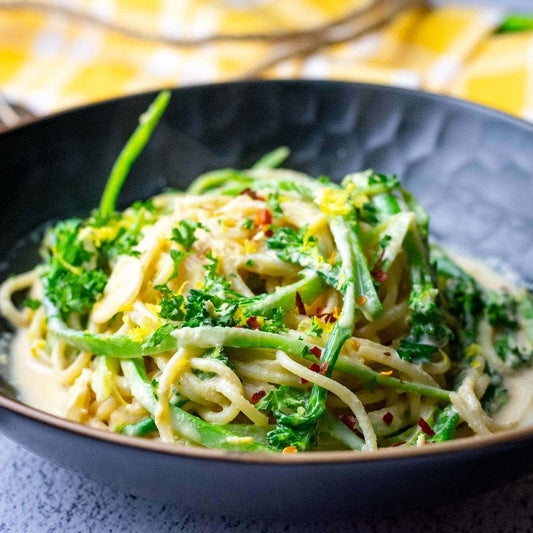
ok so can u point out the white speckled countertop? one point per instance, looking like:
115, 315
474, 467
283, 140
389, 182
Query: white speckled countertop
37, 496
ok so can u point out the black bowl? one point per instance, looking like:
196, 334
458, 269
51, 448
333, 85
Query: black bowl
472, 169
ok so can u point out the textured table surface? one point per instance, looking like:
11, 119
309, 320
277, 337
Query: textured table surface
37, 496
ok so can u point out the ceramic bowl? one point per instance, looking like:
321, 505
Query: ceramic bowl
471, 167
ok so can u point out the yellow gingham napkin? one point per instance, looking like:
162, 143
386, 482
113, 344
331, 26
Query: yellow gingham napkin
56, 54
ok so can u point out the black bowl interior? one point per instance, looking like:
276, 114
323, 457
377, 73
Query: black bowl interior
471, 167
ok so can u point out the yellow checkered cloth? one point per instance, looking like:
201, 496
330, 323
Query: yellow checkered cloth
58, 54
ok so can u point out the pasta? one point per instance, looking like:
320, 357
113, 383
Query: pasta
264, 310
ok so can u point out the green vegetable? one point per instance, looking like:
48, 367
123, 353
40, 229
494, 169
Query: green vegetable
445, 424
273, 159
428, 329
172, 305
309, 287
184, 233
68, 281
126, 238
31, 303
506, 314
516, 23
189, 426
340, 431
147, 123
140, 429
169, 337
300, 429
274, 204
301, 248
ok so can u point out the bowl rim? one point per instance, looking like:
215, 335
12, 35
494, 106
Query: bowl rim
220, 85
468, 444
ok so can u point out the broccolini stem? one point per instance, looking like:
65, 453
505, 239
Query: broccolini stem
372, 377
340, 431
218, 178
187, 425
211, 336
446, 424
147, 123
140, 429
273, 159
358, 293
309, 287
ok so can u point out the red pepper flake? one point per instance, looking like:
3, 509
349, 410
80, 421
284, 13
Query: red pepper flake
348, 420
379, 275
397, 444
425, 427
324, 368
253, 323
316, 351
263, 217
300, 304
388, 418
252, 194
315, 367
327, 317
376, 272
256, 396
387, 353
269, 232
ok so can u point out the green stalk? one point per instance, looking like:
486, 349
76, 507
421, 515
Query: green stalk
273, 159
189, 426
338, 430
147, 123
122, 346
516, 23
372, 377
140, 429
216, 179
357, 283
446, 424
309, 288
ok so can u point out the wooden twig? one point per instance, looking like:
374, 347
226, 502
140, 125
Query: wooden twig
85, 17
380, 15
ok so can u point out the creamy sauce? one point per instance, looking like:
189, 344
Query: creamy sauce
36, 384
518, 408
486, 276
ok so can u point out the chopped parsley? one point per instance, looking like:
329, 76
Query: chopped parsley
184, 233
68, 281
30, 303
